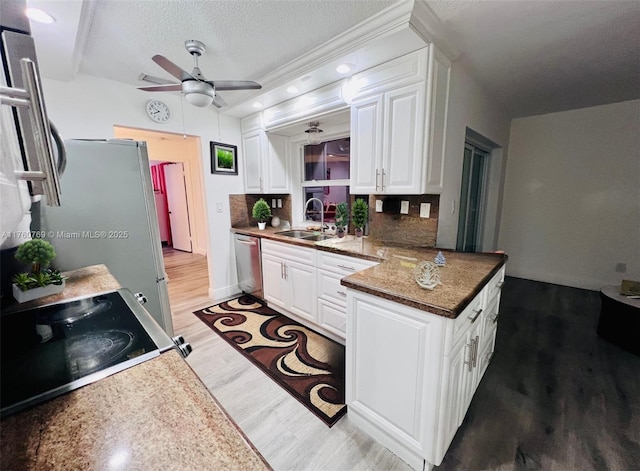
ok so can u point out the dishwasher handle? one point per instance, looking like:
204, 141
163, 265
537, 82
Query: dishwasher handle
246, 242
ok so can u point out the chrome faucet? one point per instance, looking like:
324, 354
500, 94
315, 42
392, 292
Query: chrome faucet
306, 205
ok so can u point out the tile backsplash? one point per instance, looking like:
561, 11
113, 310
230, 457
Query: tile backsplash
240, 207
410, 229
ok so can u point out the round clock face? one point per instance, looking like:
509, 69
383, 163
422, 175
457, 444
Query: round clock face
158, 111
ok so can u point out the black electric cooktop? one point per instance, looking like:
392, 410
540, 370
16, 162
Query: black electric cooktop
51, 350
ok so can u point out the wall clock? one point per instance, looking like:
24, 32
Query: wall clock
158, 111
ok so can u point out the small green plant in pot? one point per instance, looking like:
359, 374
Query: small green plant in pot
342, 218
261, 212
41, 280
360, 215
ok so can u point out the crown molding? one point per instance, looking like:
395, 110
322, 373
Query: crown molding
428, 26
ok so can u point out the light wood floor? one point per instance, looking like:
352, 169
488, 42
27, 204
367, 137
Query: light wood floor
555, 397
283, 430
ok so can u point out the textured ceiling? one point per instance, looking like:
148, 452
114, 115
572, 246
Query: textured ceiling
532, 57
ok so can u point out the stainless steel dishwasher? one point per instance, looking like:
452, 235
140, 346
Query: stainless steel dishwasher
248, 264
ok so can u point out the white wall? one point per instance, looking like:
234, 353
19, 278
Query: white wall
470, 106
572, 196
89, 107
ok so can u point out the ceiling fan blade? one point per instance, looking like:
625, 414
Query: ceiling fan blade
173, 69
163, 88
235, 85
218, 101
156, 80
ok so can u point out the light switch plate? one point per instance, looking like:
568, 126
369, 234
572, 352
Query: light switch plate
404, 207
425, 210
219, 207
378, 206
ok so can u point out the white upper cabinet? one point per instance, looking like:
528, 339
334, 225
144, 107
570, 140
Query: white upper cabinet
398, 120
265, 158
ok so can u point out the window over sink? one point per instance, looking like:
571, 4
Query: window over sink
326, 177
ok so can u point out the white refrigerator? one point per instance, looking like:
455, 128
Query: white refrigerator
108, 216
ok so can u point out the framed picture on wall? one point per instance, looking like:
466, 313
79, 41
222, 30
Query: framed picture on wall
224, 158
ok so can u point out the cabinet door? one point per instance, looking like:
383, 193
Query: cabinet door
273, 280
366, 143
253, 148
275, 167
402, 158
455, 377
301, 281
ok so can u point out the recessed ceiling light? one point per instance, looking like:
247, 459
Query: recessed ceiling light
257, 104
39, 16
292, 89
344, 68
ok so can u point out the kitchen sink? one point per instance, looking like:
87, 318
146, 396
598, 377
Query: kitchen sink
296, 234
306, 235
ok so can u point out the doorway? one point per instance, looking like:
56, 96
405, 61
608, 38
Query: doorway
472, 198
177, 206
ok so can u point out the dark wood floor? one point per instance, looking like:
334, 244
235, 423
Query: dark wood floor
555, 396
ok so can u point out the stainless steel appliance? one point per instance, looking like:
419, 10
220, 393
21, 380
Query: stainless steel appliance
108, 216
248, 264
20, 88
50, 350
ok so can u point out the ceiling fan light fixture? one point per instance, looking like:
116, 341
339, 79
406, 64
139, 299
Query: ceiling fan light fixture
313, 133
198, 99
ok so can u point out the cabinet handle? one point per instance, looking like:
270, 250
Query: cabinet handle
286, 272
382, 180
487, 358
377, 175
500, 284
260, 183
346, 267
469, 363
475, 352
495, 318
281, 270
341, 293
475, 318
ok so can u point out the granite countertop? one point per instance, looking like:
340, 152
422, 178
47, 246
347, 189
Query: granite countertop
80, 282
462, 278
156, 415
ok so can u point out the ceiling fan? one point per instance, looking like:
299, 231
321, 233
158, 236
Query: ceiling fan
197, 90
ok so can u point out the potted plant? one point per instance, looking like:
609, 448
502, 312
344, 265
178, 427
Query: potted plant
261, 212
342, 218
360, 215
40, 281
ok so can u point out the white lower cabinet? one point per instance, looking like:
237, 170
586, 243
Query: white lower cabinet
289, 278
411, 374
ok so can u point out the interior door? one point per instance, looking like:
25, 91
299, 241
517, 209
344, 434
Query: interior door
470, 219
178, 207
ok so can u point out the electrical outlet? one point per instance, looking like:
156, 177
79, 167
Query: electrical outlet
621, 268
273, 202
404, 207
425, 210
279, 202
378, 206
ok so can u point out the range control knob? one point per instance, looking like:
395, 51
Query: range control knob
185, 349
178, 340
142, 299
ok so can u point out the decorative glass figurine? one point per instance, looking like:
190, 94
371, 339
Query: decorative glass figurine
440, 260
427, 275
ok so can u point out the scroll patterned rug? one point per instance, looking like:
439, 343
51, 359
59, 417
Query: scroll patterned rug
306, 364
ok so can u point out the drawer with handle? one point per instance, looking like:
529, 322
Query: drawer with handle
342, 264
329, 288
